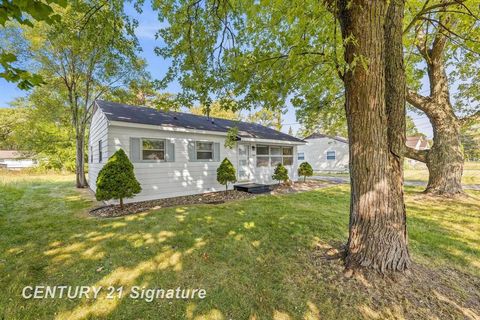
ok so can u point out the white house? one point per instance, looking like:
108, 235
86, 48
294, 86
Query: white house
176, 154
15, 160
324, 153
417, 143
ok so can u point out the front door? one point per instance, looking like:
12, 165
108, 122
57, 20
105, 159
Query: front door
244, 162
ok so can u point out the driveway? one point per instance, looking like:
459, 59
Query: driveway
411, 183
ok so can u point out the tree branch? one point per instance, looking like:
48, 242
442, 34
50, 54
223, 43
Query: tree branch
419, 155
417, 100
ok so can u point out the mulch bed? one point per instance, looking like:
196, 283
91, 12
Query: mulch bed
136, 207
111, 211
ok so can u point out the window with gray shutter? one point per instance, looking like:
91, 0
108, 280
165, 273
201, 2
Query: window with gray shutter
203, 151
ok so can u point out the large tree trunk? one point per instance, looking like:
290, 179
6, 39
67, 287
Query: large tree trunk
377, 235
445, 159
81, 180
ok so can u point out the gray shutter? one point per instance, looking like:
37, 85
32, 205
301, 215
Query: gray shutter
192, 156
216, 151
170, 151
135, 149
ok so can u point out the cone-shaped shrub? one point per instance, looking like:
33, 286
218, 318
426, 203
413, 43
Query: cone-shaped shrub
226, 173
117, 180
305, 170
280, 174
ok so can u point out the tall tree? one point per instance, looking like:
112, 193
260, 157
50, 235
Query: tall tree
376, 130
440, 31
265, 53
84, 63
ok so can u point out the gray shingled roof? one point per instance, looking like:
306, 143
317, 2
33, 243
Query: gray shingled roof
142, 115
319, 136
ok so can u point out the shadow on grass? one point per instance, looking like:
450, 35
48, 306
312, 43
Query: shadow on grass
254, 257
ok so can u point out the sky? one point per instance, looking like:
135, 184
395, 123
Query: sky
157, 66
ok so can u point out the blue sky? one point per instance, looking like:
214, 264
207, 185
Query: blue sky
157, 66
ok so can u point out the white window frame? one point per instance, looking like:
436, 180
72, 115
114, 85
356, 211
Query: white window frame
151, 160
334, 155
302, 155
197, 150
269, 156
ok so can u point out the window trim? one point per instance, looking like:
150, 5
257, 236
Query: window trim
302, 155
334, 155
100, 154
270, 156
152, 160
212, 151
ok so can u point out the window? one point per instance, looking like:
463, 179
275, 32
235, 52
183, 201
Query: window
301, 156
204, 150
100, 151
287, 153
262, 156
91, 154
273, 155
330, 155
153, 149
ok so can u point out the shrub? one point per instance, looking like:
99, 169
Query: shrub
226, 173
280, 174
305, 170
117, 180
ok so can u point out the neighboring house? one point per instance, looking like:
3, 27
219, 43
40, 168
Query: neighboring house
324, 153
417, 143
176, 154
15, 160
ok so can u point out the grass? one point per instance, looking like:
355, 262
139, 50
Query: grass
471, 173
257, 259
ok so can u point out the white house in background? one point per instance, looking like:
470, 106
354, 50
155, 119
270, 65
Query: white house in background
176, 154
15, 160
417, 143
324, 153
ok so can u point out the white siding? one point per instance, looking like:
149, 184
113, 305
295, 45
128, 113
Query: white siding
98, 131
316, 154
170, 179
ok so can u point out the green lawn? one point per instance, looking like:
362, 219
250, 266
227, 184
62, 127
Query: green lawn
471, 173
257, 259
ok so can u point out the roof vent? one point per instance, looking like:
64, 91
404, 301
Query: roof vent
175, 117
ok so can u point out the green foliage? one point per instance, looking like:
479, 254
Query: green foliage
411, 128
22, 12
305, 170
470, 137
226, 173
280, 173
232, 138
116, 180
267, 53
144, 92
217, 109
267, 117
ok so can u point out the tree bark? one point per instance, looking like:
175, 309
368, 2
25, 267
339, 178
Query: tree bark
445, 158
377, 234
81, 180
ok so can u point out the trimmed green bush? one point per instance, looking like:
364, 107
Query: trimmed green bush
117, 180
280, 174
305, 170
226, 173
